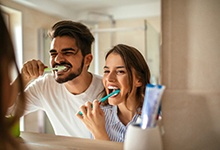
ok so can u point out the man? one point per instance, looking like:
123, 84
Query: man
72, 87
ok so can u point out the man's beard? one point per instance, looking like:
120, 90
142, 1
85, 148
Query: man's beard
71, 76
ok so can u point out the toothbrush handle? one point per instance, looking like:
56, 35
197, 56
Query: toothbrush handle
109, 95
48, 69
104, 98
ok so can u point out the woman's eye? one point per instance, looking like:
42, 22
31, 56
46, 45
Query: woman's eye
120, 72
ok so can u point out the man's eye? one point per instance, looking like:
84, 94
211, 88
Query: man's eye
53, 54
106, 71
68, 53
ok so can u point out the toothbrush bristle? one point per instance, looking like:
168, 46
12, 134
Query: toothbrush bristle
59, 68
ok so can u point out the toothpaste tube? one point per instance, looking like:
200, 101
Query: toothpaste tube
152, 100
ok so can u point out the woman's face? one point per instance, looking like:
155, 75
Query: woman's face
116, 77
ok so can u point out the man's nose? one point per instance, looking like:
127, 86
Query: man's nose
59, 58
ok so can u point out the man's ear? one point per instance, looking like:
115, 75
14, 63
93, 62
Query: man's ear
88, 59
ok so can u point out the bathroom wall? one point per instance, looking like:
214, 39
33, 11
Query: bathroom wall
133, 32
191, 73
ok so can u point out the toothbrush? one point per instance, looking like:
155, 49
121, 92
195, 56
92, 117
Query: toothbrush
106, 97
59, 68
109, 95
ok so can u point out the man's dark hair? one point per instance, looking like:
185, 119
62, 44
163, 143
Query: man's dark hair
76, 30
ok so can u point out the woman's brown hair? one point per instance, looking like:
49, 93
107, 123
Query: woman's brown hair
7, 60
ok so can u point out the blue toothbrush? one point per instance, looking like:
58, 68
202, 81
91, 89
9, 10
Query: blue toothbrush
106, 97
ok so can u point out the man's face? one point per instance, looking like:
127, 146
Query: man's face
63, 51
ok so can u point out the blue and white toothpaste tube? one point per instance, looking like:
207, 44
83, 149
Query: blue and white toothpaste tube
152, 101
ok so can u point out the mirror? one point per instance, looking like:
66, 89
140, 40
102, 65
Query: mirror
138, 26
140, 33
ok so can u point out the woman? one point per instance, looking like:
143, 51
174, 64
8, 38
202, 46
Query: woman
7, 61
125, 69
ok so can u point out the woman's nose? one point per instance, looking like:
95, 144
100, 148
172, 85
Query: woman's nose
111, 77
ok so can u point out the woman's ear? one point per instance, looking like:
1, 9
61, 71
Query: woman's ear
138, 83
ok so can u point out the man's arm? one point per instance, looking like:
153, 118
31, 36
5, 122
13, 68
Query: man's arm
31, 70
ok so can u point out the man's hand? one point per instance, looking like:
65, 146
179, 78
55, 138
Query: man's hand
31, 70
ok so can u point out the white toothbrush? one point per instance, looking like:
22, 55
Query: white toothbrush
59, 68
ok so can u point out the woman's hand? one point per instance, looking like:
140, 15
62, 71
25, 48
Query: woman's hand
94, 119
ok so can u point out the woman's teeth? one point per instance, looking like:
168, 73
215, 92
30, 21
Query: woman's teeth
115, 92
112, 89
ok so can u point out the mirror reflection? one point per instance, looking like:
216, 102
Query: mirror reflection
137, 25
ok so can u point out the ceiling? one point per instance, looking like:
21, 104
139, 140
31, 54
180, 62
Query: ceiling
77, 8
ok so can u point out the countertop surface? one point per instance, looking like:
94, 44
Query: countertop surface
38, 141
